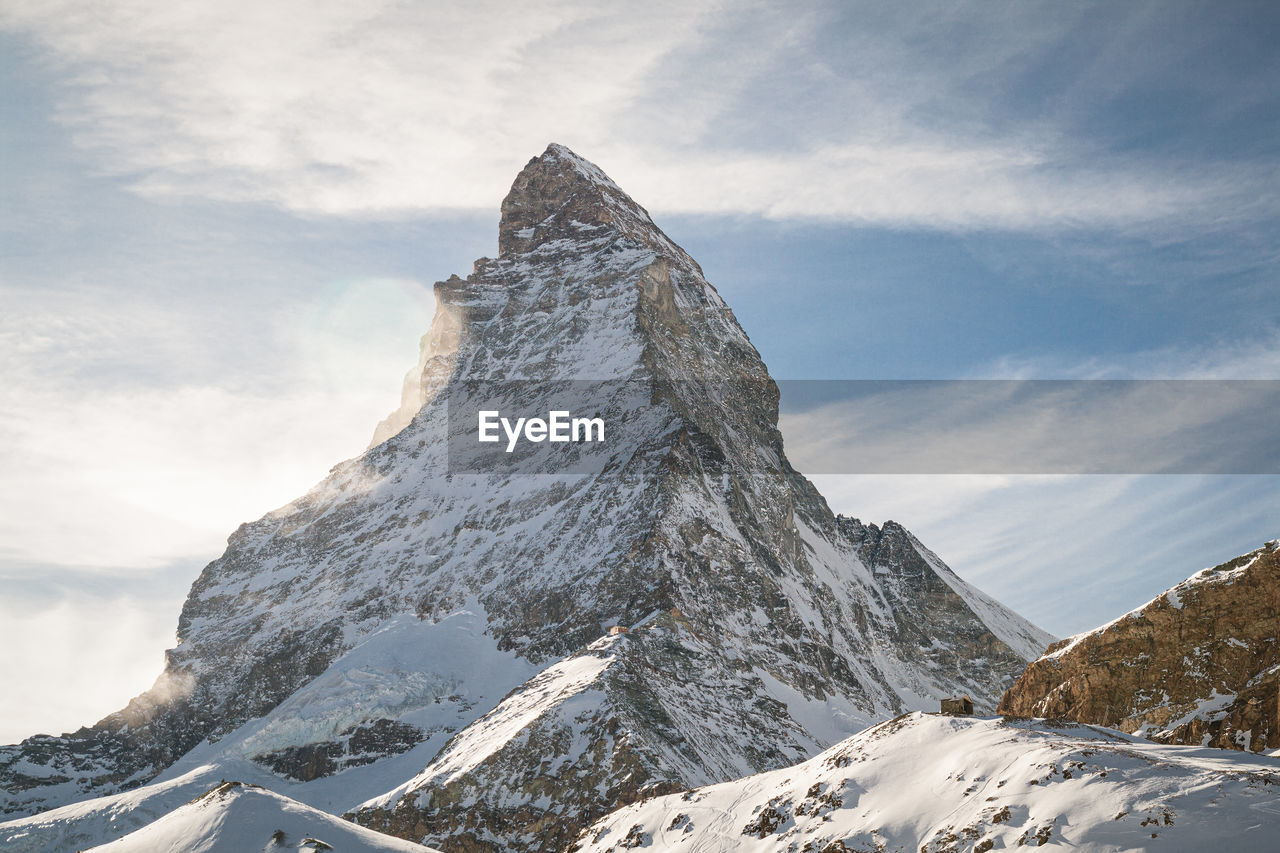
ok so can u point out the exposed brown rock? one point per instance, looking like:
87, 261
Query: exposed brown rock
1197, 665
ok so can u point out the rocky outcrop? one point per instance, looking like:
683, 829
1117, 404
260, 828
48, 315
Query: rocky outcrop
1199, 664
358, 745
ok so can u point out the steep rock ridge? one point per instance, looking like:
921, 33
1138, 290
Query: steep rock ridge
925, 783
408, 593
927, 594
1199, 664
436, 353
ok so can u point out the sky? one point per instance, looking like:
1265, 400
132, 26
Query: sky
220, 223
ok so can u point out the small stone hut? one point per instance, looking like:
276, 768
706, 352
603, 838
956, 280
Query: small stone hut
957, 706
619, 629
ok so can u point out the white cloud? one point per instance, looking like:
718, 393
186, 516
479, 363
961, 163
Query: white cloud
104, 466
1254, 358
113, 497
154, 398
380, 109
139, 478
71, 664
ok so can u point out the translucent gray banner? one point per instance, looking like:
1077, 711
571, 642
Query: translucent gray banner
888, 426
1147, 426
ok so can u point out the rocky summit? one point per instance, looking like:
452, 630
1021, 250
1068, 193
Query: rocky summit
1198, 664
481, 655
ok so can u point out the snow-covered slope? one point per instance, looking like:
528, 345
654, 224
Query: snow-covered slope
238, 818
102, 819
933, 783
385, 677
364, 643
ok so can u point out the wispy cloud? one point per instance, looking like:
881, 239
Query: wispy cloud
119, 450
855, 113
1257, 357
137, 479
1070, 552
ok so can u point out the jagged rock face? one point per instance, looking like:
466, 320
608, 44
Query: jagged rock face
927, 600
1199, 664
361, 744
770, 628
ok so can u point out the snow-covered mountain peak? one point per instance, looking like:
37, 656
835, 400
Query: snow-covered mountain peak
420, 632
560, 196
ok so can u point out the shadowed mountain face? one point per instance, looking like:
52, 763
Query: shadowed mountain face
422, 640
1198, 664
